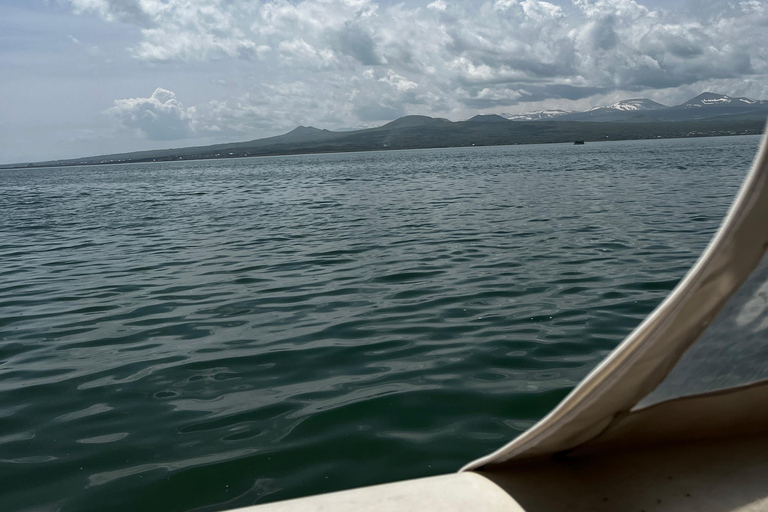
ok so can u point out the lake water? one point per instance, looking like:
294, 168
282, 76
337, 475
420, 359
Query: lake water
197, 336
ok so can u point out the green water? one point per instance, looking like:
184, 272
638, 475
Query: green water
209, 335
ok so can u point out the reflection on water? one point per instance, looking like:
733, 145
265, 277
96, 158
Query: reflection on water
206, 335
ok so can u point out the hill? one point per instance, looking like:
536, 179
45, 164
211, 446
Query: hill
706, 115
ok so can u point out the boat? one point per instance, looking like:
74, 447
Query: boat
674, 419
578, 142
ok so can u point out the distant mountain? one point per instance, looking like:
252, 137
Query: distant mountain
714, 100
632, 109
304, 134
708, 105
487, 118
412, 121
706, 115
633, 105
537, 115
602, 113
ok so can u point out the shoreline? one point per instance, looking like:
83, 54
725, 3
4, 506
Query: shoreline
276, 152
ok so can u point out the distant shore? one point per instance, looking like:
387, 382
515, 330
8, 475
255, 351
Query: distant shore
421, 132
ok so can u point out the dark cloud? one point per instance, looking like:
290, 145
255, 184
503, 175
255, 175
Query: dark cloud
604, 37
563, 91
357, 43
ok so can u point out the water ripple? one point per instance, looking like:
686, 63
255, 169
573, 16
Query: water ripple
209, 335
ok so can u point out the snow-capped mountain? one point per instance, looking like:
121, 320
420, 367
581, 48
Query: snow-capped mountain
711, 99
536, 115
642, 110
633, 105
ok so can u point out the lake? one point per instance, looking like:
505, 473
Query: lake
198, 336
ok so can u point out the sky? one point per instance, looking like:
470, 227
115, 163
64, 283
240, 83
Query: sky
93, 77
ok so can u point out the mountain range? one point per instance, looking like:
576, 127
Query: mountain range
705, 115
642, 110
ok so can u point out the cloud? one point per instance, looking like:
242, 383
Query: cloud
354, 41
348, 62
159, 117
76, 135
400, 83
438, 5
272, 110
135, 12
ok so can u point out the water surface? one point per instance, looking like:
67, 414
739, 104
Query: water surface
207, 335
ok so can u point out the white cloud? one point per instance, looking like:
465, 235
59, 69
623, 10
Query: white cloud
398, 82
298, 52
499, 95
540, 11
438, 5
159, 117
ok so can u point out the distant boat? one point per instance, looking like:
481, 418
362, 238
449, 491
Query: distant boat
578, 142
